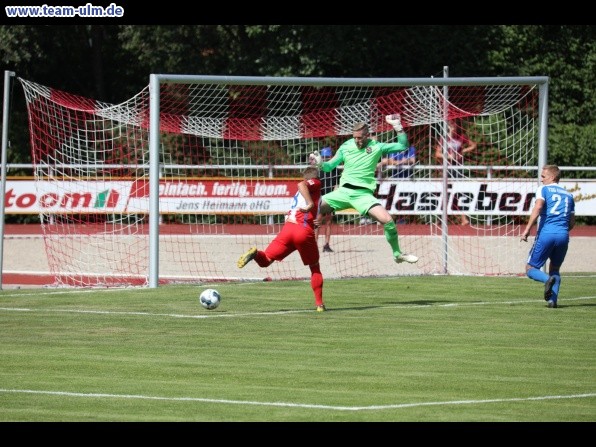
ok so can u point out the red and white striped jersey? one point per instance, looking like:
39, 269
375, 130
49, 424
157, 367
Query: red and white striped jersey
295, 215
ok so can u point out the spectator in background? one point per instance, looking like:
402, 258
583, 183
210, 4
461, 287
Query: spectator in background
458, 145
400, 164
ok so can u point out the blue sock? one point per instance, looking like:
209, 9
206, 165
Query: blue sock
556, 286
537, 275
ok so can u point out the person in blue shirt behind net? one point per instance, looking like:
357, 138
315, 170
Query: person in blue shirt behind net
555, 207
330, 181
400, 164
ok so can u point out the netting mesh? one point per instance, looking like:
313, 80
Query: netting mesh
230, 159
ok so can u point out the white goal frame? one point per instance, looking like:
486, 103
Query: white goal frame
519, 137
156, 80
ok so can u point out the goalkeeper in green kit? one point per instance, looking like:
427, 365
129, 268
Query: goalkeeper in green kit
357, 183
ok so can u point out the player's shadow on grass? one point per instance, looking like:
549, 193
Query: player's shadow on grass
344, 309
390, 303
425, 302
560, 306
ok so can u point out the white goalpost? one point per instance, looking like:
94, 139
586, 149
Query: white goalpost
175, 183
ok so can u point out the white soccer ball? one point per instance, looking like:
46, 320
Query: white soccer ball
210, 299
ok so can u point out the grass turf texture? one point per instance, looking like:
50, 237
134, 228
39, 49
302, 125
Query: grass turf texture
440, 349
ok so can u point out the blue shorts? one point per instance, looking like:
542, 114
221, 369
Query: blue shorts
551, 246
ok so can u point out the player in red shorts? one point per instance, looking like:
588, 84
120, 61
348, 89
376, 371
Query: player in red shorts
298, 233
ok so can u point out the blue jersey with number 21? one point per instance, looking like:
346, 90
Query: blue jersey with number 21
552, 237
557, 210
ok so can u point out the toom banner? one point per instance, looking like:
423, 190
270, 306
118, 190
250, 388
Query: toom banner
271, 196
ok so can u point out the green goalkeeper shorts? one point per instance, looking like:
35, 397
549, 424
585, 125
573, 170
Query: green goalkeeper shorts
344, 198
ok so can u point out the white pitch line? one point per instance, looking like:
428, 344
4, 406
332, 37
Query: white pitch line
149, 314
280, 312
296, 405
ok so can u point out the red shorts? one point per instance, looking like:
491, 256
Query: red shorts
294, 237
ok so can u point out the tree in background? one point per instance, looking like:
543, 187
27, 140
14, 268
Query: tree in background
112, 63
567, 55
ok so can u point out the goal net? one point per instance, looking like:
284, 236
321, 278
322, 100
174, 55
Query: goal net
231, 154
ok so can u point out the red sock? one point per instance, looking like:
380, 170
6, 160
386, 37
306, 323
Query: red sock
316, 282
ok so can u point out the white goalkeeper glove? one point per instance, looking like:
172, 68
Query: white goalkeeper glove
315, 159
395, 122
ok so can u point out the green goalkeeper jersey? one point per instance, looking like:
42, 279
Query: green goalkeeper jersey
360, 164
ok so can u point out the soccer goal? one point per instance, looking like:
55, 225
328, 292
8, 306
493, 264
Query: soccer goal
174, 184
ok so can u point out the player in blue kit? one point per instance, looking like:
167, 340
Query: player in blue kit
556, 209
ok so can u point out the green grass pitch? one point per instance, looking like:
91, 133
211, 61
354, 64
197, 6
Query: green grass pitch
407, 349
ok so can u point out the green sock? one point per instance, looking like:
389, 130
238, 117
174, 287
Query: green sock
391, 236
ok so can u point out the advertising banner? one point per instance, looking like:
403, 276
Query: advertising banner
273, 196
